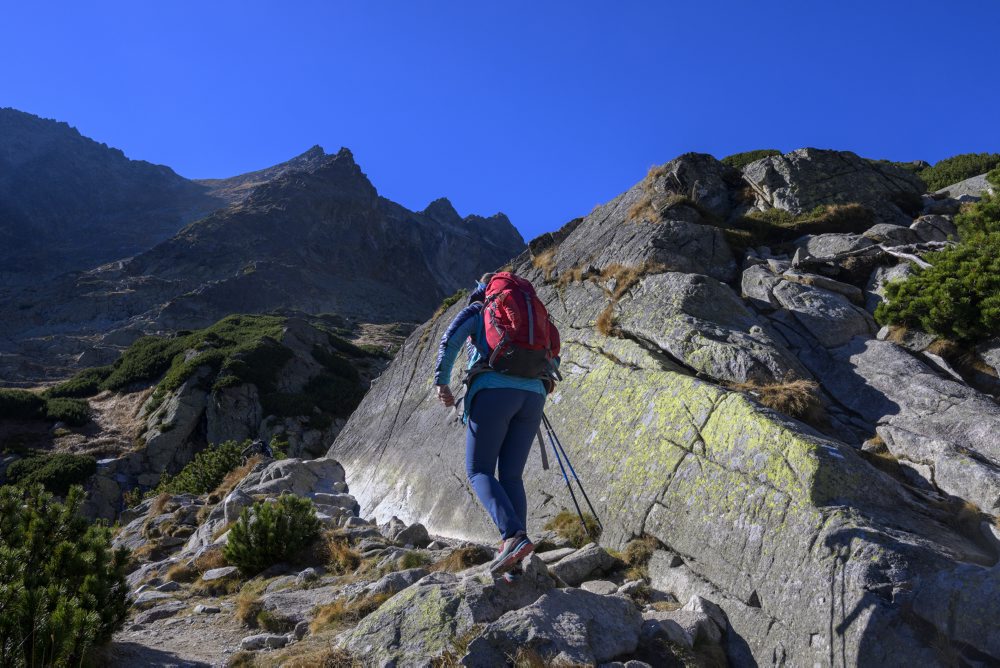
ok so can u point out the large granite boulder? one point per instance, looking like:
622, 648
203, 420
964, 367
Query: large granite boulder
573, 627
766, 509
422, 622
807, 178
971, 187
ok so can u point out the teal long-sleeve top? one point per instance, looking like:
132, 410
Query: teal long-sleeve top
468, 328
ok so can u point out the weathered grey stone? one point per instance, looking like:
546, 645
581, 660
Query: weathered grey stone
419, 623
162, 611
656, 623
233, 413
149, 598
552, 556
396, 582
602, 587
892, 235
758, 285
589, 560
934, 228
219, 573
202, 609
262, 641
296, 605
833, 246
570, 626
234, 503
354, 521
852, 292
989, 351
415, 534
295, 476
703, 324
922, 416
829, 317
168, 586
804, 179
974, 187
964, 604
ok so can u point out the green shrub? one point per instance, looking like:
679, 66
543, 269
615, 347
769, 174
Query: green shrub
958, 168
269, 533
56, 472
741, 160
87, 383
958, 297
237, 345
71, 411
204, 473
21, 405
63, 588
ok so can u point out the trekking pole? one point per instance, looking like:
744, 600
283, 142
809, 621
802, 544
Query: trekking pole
566, 478
551, 430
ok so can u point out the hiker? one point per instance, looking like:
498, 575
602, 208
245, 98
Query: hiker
512, 366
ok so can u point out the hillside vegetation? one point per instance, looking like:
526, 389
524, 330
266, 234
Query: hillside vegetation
958, 297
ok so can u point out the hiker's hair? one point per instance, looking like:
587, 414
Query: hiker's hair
485, 280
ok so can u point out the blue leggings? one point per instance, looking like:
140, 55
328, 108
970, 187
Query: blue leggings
502, 426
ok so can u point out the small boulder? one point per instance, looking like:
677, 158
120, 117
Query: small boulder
602, 587
219, 573
393, 583
160, 612
149, 598
589, 560
262, 641
415, 534
202, 609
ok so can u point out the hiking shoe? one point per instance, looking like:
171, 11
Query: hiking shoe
512, 551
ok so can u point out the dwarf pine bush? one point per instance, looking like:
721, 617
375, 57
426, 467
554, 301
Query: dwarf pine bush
204, 473
62, 587
271, 532
958, 296
57, 472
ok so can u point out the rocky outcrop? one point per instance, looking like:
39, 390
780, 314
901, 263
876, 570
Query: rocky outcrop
969, 188
807, 178
814, 554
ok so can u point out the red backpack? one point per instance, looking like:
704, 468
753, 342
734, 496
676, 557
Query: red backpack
522, 339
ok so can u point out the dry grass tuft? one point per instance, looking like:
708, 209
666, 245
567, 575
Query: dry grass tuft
341, 558
210, 560
528, 657
666, 606
575, 274
464, 557
567, 525
452, 658
232, 479
248, 603
342, 613
545, 262
623, 278
309, 654
606, 322
796, 398
637, 554
159, 505
242, 659
182, 573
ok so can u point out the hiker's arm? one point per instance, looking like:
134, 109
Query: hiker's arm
463, 326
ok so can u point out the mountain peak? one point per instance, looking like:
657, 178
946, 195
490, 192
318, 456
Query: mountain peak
442, 211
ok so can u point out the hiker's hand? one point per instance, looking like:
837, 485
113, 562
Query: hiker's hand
445, 396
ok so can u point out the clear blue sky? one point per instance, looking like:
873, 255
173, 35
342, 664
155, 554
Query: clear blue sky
536, 109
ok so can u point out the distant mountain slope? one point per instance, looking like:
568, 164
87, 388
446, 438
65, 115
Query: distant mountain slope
69, 203
236, 188
317, 240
